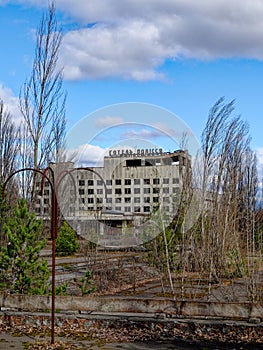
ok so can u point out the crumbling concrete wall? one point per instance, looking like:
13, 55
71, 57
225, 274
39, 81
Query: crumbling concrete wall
167, 307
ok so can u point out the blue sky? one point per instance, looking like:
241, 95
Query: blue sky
180, 55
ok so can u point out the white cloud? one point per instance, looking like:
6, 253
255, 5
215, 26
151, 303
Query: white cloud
166, 129
87, 155
132, 51
132, 38
144, 134
11, 102
108, 121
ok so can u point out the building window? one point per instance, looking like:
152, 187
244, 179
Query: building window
166, 199
137, 190
109, 200
99, 191
90, 191
155, 199
99, 200
175, 190
118, 208
137, 209
99, 182
127, 191
117, 190
109, 191
81, 192
81, 182
147, 199
167, 161
176, 181
108, 182
81, 200
90, 182
146, 181
137, 200
156, 181
133, 162
117, 200
127, 200
118, 182
146, 209
127, 182
46, 192
90, 200
127, 209
156, 190
46, 200
137, 181
149, 162
90, 208
166, 181
166, 190
147, 190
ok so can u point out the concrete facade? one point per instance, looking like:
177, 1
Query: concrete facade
125, 192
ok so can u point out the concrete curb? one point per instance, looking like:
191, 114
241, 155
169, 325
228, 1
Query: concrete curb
169, 308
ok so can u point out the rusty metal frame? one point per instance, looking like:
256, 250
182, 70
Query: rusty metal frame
54, 184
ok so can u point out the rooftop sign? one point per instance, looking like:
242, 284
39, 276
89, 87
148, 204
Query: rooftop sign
136, 153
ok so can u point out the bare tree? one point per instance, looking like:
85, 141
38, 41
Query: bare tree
248, 222
226, 240
228, 191
25, 160
8, 143
42, 100
8, 163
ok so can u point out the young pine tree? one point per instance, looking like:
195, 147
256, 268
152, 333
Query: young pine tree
21, 268
67, 242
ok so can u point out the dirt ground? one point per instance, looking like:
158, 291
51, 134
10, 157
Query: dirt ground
9, 341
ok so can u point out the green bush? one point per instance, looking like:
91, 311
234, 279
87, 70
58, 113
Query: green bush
67, 242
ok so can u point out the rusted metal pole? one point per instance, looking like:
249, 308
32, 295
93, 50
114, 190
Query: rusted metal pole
53, 292
54, 234
53, 237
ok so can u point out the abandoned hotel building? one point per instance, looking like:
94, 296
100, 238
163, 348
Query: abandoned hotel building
103, 202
